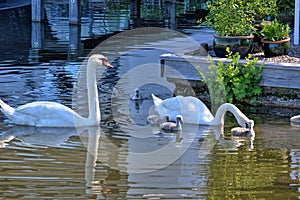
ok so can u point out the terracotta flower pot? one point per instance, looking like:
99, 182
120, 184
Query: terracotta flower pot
240, 44
276, 48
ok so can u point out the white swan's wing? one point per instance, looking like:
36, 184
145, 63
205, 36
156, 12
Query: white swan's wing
44, 114
168, 106
157, 101
193, 110
172, 104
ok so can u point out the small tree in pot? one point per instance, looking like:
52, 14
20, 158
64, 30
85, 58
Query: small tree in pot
234, 20
233, 25
276, 40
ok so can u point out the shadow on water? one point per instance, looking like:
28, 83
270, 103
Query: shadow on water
15, 29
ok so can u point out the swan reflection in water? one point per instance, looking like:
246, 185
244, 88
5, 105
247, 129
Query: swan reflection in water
131, 154
46, 136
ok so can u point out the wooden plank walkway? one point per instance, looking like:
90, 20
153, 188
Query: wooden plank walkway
278, 75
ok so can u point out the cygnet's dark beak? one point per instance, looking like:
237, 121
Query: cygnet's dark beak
107, 64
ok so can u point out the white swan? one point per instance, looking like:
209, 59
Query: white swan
51, 114
295, 120
195, 111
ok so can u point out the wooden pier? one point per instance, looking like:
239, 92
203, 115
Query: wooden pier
38, 14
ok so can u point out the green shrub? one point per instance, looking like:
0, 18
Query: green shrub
230, 18
239, 82
237, 17
262, 9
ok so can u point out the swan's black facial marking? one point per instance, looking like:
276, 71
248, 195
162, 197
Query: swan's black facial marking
249, 125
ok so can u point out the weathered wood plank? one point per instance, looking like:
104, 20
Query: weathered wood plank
281, 75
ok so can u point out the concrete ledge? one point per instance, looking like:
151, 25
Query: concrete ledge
279, 75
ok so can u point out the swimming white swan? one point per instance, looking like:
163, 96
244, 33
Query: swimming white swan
51, 114
172, 126
295, 120
195, 111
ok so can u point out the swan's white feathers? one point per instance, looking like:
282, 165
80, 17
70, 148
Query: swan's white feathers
54, 114
51, 114
295, 119
6, 109
194, 111
190, 108
156, 100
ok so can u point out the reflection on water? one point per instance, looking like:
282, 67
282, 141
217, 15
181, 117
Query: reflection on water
95, 162
124, 158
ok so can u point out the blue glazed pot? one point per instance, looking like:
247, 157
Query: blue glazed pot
276, 48
240, 44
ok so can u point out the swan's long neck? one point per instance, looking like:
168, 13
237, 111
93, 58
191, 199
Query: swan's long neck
93, 101
178, 123
220, 115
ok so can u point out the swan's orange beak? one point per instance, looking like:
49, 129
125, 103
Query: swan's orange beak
107, 64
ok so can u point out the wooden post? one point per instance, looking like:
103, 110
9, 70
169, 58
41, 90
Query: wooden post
170, 9
37, 40
296, 25
37, 35
162, 68
37, 10
74, 11
74, 40
135, 11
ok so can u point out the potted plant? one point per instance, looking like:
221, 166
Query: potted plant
233, 20
276, 40
263, 9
